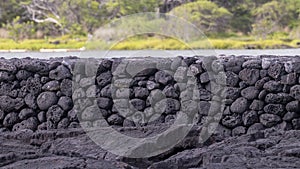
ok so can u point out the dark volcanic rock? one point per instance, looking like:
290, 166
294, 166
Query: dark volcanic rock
51, 86
250, 76
9, 104
10, 119
250, 118
23, 75
138, 104
66, 87
163, 77
104, 103
250, 93
293, 106
26, 113
239, 106
295, 92
232, 121
273, 86
277, 109
46, 100
269, 120
104, 79
61, 72
54, 114
65, 103
275, 70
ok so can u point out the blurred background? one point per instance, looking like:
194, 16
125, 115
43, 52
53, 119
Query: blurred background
69, 24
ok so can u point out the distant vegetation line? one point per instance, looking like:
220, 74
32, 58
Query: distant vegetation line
229, 24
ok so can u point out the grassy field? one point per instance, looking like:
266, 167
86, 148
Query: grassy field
148, 43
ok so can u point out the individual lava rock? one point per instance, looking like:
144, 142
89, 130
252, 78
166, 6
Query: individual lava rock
66, 87
250, 76
249, 118
61, 72
232, 121
104, 79
30, 101
54, 114
66, 103
250, 93
9, 104
26, 113
163, 77
34, 85
295, 92
23, 75
10, 119
239, 106
269, 120
275, 70
46, 100
31, 124
115, 119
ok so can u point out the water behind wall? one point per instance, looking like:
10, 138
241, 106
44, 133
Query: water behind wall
146, 53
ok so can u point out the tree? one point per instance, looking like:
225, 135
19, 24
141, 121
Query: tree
268, 19
206, 15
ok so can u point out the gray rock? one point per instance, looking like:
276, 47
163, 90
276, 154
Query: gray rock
37, 66
260, 83
10, 120
138, 104
31, 124
163, 77
6, 66
26, 113
238, 131
141, 93
250, 76
275, 70
104, 103
2, 115
295, 92
293, 106
9, 104
249, 118
171, 92
92, 113
34, 85
296, 124
151, 85
5, 76
273, 86
106, 91
167, 106
255, 128
46, 100
257, 105
60, 73
115, 119
66, 103
85, 82
51, 86
250, 93
104, 79
42, 117
66, 87
269, 120
230, 93
63, 124
239, 106
277, 109
289, 79
204, 78
181, 74
289, 116
55, 114
196, 69
232, 121
23, 75
262, 95
30, 101
232, 79
253, 64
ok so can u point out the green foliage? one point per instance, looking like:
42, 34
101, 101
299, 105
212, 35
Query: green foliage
206, 15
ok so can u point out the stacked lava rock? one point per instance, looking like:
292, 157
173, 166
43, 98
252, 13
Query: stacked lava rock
258, 92
36, 95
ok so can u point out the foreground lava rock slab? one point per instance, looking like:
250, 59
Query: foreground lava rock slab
253, 102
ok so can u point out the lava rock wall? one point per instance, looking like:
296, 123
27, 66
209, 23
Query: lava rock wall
256, 93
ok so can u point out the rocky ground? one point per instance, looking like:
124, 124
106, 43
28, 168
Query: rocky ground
72, 148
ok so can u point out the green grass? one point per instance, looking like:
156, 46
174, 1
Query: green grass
37, 44
159, 43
